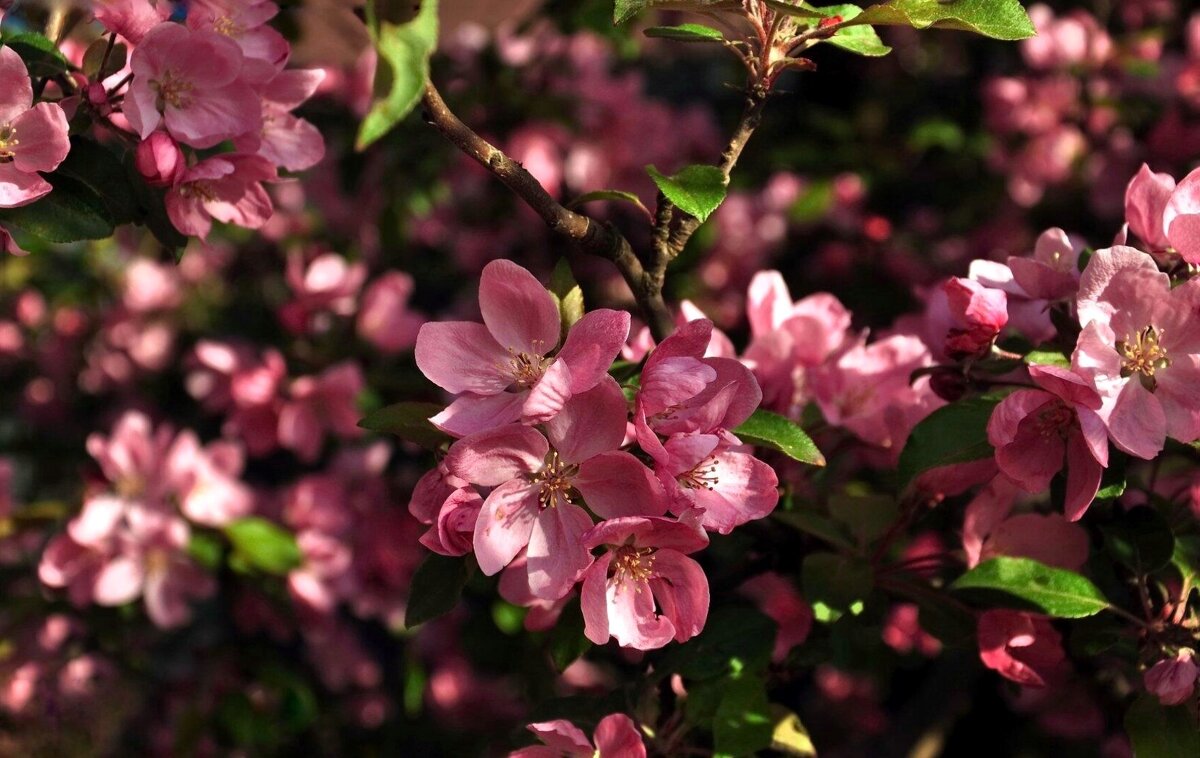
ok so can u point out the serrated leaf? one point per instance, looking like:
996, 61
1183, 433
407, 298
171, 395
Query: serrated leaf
999, 19
861, 40
838, 581
404, 49
696, 190
70, 213
408, 421
436, 587
623, 10
686, 33
1053, 591
610, 194
768, 429
955, 433
264, 545
1159, 731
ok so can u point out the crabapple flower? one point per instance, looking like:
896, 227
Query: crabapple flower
132, 19
1173, 679
190, 82
1022, 647
227, 188
160, 161
989, 531
616, 736
646, 561
1146, 200
1181, 218
385, 320
206, 481
536, 479
978, 316
1140, 349
777, 598
244, 22
288, 141
33, 138
329, 283
326, 403
1036, 432
1052, 273
502, 369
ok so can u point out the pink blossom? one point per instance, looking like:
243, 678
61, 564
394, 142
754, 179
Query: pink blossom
646, 561
33, 138
541, 614
326, 403
286, 140
1146, 200
1140, 349
1052, 273
1181, 218
244, 22
978, 315
1038, 432
503, 369
1173, 679
160, 161
246, 387
327, 284
151, 286
132, 19
1074, 38
1020, 646
902, 631
227, 188
190, 82
385, 319
534, 477
206, 481
616, 736
777, 597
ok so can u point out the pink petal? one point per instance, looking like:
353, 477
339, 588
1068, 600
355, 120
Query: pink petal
768, 302
16, 88
1113, 276
1066, 384
590, 423
672, 381
562, 735
1050, 539
505, 523
42, 132
119, 581
98, 520
1136, 422
617, 737
549, 395
681, 588
556, 556
631, 616
477, 413
745, 489
1083, 477
593, 601
493, 457
1006, 418
684, 535
1179, 217
690, 340
1032, 458
617, 484
592, 345
1146, 200
213, 116
984, 513
519, 312
1095, 435
461, 356
18, 188
1178, 391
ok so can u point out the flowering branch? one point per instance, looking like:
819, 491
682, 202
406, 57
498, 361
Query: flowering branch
592, 236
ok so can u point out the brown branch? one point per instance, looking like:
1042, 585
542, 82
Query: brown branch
591, 236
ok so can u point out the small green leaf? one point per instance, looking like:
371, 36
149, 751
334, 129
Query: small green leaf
404, 50
686, 33
96, 167
999, 19
817, 525
1159, 731
567, 642
264, 545
408, 421
861, 40
1047, 358
742, 724
1141, 539
567, 293
1052, 591
838, 581
42, 57
1186, 557
955, 433
70, 213
777, 432
610, 194
696, 190
436, 587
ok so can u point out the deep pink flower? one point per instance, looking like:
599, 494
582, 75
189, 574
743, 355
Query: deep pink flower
326, 403
385, 320
33, 138
454, 529
1140, 349
245, 22
227, 188
235, 380
1020, 646
190, 83
160, 161
978, 315
503, 369
536, 477
1146, 200
616, 736
286, 140
541, 614
646, 561
1173, 679
1038, 432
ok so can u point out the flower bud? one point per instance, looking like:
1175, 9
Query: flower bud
159, 160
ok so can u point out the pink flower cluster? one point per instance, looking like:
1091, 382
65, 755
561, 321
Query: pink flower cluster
543, 451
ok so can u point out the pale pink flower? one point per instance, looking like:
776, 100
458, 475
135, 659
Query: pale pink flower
616, 736
1146, 200
190, 82
160, 161
541, 614
206, 481
646, 561
326, 403
33, 138
132, 19
286, 140
385, 320
1072, 39
134, 457
227, 188
1140, 349
1027, 315
1020, 646
1173, 679
503, 369
245, 22
1181, 218
1038, 432
151, 286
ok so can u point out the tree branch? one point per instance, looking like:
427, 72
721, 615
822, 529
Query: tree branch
591, 236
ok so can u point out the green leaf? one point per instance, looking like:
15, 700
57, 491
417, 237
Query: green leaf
767, 429
789, 8
70, 213
999, 19
686, 33
264, 545
867, 516
696, 190
610, 194
1047, 358
97, 168
743, 724
408, 421
1052, 591
436, 587
94, 56
567, 293
955, 433
1158, 731
837, 581
567, 642
861, 40
1141, 539
624, 10
42, 57
1186, 557
817, 525
404, 48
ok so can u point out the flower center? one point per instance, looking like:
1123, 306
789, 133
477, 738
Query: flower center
526, 368
227, 26
1143, 354
8, 140
631, 563
555, 482
702, 477
1053, 420
158, 561
201, 189
172, 90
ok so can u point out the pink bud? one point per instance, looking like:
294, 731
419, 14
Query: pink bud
979, 312
1172, 679
160, 160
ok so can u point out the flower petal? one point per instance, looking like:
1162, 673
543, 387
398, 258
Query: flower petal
556, 556
461, 356
504, 524
519, 312
493, 457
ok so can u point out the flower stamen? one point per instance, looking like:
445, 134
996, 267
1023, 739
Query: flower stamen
1142, 353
